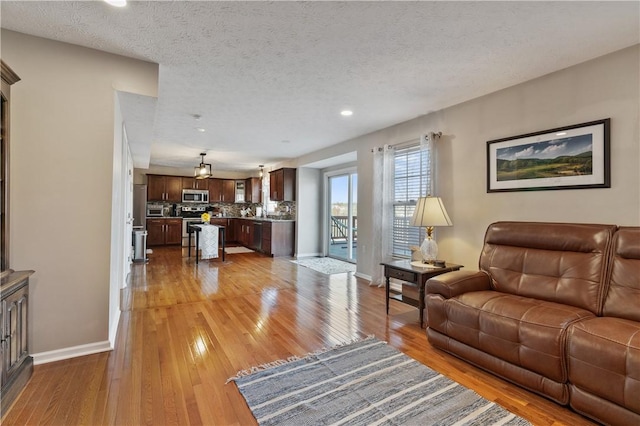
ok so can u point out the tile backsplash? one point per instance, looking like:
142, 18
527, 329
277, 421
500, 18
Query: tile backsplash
283, 208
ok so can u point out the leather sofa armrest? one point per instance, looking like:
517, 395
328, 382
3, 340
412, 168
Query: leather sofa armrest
454, 283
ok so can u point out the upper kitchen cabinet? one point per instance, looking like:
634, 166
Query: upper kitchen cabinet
282, 185
193, 183
222, 190
253, 190
164, 188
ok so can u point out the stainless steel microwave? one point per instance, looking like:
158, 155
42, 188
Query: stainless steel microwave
195, 196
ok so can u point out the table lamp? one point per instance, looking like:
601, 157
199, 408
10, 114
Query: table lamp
430, 212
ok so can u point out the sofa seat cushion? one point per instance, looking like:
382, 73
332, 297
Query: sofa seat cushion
526, 332
604, 359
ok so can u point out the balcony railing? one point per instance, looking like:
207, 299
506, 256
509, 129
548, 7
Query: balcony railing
339, 228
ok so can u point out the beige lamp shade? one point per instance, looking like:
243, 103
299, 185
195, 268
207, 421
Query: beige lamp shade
430, 211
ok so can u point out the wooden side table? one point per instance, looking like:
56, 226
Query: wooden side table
416, 276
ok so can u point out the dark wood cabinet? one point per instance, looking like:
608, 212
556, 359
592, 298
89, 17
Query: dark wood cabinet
282, 185
174, 189
273, 238
155, 188
244, 232
173, 231
231, 231
193, 183
17, 364
222, 190
278, 238
155, 232
266, 238
229, 227
253, 190
164, 188
162, 232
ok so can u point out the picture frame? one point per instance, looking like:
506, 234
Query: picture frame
571, 157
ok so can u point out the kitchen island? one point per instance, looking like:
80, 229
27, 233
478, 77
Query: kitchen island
273, 237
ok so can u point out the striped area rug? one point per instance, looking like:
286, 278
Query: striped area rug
363, 383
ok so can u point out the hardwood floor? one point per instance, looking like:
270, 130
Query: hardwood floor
186, 328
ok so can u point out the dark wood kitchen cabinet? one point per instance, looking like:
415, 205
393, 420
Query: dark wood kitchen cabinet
253, 190
222, 190
193, 183
164, 188
17, 364
282, 185
162, 232
278, 238
229, 227
244, 232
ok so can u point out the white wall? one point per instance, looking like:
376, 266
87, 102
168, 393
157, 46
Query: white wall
604, 87
62, 150
309, 220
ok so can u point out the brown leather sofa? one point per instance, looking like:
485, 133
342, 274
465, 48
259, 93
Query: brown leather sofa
554, 308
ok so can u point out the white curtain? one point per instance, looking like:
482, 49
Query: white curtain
427, 146
382, 211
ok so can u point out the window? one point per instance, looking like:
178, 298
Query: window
412, 179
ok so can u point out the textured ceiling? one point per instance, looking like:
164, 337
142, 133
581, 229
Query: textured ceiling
260, 73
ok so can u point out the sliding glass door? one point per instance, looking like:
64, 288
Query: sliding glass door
343, 216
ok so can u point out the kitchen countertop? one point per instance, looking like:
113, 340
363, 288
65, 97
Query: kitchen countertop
257, 219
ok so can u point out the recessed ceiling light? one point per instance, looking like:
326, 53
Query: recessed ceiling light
561, 133
117, 3
197, 117
200, 129
346, 113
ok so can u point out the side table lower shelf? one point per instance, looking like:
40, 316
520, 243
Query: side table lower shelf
411, 275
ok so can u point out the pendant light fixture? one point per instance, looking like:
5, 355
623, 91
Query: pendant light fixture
203, 171
261, 170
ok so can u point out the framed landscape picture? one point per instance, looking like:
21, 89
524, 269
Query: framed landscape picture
572, 157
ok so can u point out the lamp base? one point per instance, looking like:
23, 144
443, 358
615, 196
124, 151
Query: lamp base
429, 249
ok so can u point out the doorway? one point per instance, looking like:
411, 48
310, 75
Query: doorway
343, 216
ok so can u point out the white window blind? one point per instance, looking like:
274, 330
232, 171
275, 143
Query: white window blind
412, 176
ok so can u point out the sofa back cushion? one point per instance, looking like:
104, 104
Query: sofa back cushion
623, 294
557, 262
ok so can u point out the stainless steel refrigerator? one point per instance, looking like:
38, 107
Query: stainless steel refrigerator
140, 206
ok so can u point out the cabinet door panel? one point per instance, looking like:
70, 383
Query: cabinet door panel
253, 190
215, 190
16, 332
201, 184
188, 183
155, 232
155, 188
282, 184
228, 191
174, 189
173, 232
231, 231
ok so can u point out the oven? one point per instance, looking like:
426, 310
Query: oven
186, 221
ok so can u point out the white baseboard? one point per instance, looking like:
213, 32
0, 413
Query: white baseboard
303, 255
363, 276
113, 329
71, 352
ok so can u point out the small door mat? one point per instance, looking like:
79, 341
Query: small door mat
236, 250
326, 265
